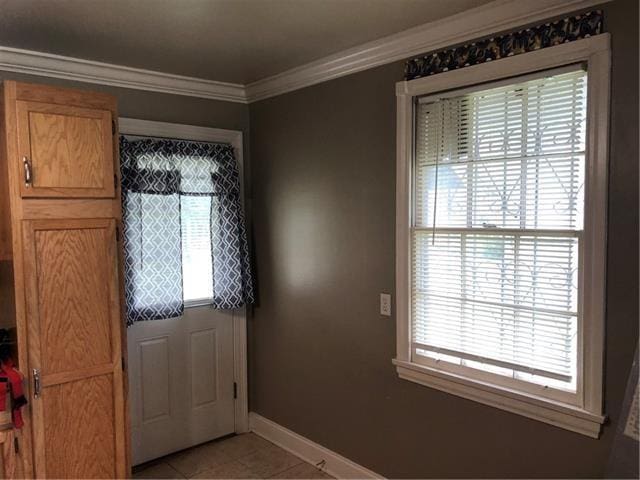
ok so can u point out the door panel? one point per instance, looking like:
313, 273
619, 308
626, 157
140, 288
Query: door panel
181, 381
71, 288
204, 348
68, 149
74, 328
155, 376
86, 434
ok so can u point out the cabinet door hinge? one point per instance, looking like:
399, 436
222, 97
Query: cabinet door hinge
16, 446
235, 390
115, 181
123, 365
117, 233
113, 127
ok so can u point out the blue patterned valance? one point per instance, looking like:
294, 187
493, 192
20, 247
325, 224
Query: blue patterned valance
533, 38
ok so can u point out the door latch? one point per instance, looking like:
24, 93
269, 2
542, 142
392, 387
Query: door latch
28, 176
36, 383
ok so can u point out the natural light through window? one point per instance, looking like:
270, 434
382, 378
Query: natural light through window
497, 228
196, 248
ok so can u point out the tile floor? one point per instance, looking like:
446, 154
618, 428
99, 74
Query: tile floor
239, 456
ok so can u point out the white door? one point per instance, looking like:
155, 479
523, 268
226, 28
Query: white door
181, 376
181, 370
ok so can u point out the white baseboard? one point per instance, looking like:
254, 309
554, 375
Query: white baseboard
334, 464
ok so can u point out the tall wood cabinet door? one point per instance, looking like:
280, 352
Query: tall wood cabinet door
64, 151
74, 336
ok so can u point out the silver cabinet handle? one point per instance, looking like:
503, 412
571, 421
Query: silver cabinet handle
36, 383
27, 172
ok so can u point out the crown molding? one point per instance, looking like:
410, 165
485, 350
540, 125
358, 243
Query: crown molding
483, 21
488, 19
69, 68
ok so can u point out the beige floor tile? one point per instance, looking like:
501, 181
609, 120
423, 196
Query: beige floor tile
197, 459
233, 469
158, 470
243, 445
242, 456
302, 471
269, 461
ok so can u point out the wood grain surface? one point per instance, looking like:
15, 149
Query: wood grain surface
73, 296
73, 318
79, 431
69, 150
66, 263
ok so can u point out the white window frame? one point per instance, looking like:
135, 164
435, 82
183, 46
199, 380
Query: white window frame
585, 417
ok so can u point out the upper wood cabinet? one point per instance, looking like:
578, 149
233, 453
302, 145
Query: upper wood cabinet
64, 150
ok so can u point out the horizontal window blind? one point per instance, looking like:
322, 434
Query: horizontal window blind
196, 247
497, 224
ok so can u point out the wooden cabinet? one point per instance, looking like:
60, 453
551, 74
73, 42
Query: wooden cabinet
73, 318
58, 166
64, 151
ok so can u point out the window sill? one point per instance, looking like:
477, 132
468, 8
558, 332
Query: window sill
537, 408
201, 302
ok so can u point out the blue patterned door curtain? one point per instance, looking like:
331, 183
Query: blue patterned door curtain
155, 174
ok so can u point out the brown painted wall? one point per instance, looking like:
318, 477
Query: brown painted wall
323, 162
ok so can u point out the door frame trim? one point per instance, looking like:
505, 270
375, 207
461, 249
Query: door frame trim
148, 128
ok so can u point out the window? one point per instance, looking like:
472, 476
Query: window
184, 235
498, 218
197, 275
495, 239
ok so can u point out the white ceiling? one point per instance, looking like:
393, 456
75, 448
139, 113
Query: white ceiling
236, 41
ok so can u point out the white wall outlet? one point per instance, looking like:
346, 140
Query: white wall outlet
385, 304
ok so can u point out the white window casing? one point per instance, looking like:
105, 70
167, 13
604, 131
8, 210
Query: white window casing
549, 363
